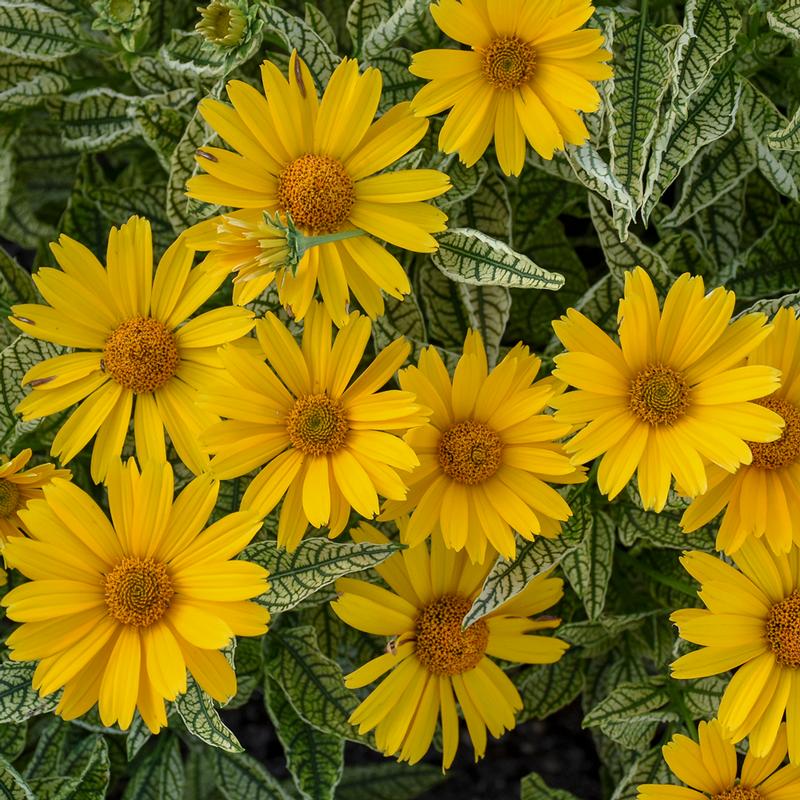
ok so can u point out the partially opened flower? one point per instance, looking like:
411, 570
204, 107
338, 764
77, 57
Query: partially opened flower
326, 442
527, 71
433, 663
672, 396
487, 455
135, 354
318, 161
751, 624
117, 610
709, 769
19, 485
762, 498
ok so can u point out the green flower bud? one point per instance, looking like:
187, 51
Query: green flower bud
222, 23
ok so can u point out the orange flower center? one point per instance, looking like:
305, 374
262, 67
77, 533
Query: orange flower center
9, 498
317, 192
470, 452
783, 631
138, 591
141, 354
659, 395
508, 62
783, 451
316, 425
442, 647
738, 793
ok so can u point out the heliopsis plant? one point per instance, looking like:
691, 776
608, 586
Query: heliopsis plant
709, 769
528, 71
136, 355
751, 623
487, 455
116, 610
322, 163
672, 396
326, 442
762, 498
434, 661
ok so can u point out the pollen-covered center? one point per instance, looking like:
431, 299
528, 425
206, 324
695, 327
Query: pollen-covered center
442, 647
783, 631
317, 192
316, 425
659, 395
9, 498
783, 451
738, 793
508, 62
138, 591
470, 452
141, 354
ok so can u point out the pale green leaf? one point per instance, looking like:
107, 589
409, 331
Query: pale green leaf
12, 784
719, 226
388, 781
649, 767
487, 210
239, 776
36, 32
545, 688
787, 137
533, 787
95, 120
385, 32
161, 125
786, 19
196, 709
702, 696
12, 739
24, 83
159, 775
316, 20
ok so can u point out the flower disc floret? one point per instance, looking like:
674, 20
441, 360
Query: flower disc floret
470, 452
317, 425
783, 631
442, 646
9, 498
739, 793
141, 355
786, 450
508, 62
659, 395
138, 591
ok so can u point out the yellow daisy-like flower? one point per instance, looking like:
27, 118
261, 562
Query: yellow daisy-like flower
763, 497
327, 442
116, 611
18, 487
527, 71
433, 662
675, 393
487, 454
136, 357
318, 160
710, 770
751, 622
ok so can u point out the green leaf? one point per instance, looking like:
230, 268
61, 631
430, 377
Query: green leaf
201, 719
314, 759
138, 735
487, 210
297, 34
12, 785
161, 126
51, 740
597, 637
24, 83
189, 52
787, 137
36, 32
315, 563
159, 775
588, 566
88, 762
469, 256
240, 776
703, 696
642, 73
649, 767
771, 306
12, 739
508, 578
786, 19
545, 688
533, 787
399, 85
200, 776
758, 119
313, 683
388, 30
95, 120
709, 32
720, 227
651, 529
388, 781
18, 699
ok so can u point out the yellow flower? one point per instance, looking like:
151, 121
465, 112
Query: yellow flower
17, 488
325, 441
710, 770
431, 658
116, 611
136, 357
317, 161
752, 622
527, 71
486, 453
762, 498
673, 395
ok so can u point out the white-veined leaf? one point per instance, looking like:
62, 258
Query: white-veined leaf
241, 776
196, 709
786, 19
389, 780
545, 688
159, 775
18, 699
386, 31
94, 120
533, 787
787, 137
36, 32
12, 783
649, 767
25, 83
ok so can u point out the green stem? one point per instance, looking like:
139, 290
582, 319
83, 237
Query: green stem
680, 707
307, 242
658, 577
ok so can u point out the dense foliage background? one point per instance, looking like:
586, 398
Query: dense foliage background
693, 165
